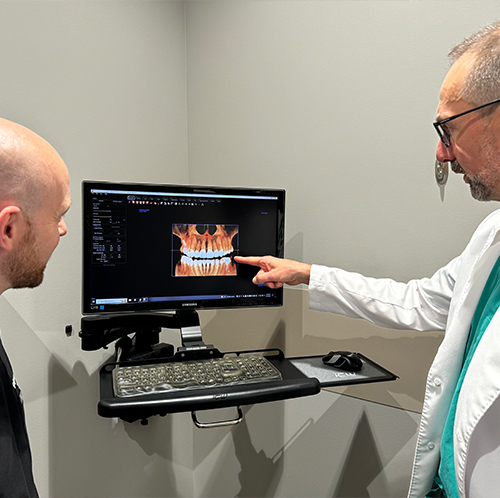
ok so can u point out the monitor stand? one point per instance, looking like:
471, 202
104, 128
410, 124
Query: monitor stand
99, 331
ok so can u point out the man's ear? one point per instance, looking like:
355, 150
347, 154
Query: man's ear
10, 226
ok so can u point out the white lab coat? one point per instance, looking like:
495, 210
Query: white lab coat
446, 301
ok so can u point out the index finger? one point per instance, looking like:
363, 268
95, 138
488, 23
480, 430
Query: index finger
249, 260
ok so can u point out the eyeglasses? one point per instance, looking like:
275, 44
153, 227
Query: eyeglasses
443, 132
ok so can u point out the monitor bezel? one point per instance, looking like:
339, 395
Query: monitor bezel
266, 300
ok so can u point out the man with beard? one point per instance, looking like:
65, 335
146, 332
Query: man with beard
458, 445
34, 195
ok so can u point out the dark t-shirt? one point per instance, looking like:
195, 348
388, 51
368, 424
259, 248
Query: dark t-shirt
16, 474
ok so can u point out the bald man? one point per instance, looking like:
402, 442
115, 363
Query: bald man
34, 196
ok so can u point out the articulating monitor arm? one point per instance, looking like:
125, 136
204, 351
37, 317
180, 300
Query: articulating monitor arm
99, 331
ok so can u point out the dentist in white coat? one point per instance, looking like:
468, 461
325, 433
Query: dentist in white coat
458, 445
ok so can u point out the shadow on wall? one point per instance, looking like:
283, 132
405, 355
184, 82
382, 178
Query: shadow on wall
95, 457
363, 454
318, 460
317, 446
227, 460
259, 474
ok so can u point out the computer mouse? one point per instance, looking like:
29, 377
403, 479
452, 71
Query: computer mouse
343, 360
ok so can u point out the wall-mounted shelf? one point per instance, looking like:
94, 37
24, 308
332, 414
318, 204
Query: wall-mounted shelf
303, 376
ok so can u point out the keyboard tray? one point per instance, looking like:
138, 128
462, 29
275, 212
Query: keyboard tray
301, 377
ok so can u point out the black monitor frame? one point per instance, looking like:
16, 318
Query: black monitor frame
246, 294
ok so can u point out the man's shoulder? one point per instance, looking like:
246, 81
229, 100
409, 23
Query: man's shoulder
5, 362
487, 231
491, 221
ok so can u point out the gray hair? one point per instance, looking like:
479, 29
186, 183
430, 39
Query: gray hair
482, 84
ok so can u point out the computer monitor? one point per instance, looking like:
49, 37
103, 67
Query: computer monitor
149, 248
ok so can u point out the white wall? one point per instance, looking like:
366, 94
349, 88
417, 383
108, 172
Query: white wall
332, 100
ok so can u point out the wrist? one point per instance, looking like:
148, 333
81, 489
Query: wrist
305, 273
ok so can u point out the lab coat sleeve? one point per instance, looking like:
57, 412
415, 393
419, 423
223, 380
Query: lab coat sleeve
421, 305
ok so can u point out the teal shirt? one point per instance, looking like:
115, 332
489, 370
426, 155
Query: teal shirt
486, 309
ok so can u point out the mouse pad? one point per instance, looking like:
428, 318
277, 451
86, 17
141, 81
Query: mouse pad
313, 367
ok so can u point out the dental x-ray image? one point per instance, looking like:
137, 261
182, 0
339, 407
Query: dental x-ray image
204, 250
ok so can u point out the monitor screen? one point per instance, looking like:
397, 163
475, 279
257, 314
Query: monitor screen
171, 247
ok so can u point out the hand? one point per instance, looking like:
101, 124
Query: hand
274, 272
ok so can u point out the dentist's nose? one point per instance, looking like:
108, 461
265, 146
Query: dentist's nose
444, 154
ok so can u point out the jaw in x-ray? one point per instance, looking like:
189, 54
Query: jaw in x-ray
206, 250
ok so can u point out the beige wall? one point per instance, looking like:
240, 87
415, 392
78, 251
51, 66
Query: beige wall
331, 100
105, 82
